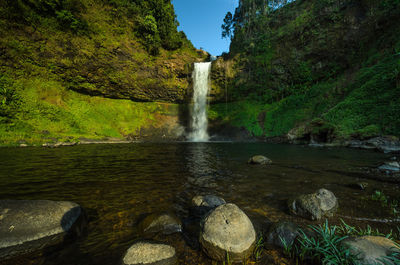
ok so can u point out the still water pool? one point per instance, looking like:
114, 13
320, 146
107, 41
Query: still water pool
119, 184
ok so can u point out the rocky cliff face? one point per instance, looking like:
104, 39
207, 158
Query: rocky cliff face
110, 57
308, 61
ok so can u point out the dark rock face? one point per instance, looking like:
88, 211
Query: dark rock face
372, 249
27, 226
227, 230
164, 223
314, 206
150, 254
282, 234
259, 160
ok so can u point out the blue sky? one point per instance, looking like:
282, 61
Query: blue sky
201, 21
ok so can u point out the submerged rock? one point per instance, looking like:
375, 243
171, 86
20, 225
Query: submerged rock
359, 185
259, 160
210, 201
372, 249
150, 254
203, 204
227, 230
165, 223
27, 226
392, 166
282, 234
314, 206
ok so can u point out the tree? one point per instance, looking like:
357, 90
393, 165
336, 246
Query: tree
228, 25
149, 31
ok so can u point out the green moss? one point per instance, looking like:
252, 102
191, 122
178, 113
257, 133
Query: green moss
50, 112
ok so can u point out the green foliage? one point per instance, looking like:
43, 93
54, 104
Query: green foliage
150, 34
68, 20
325, 247
242, 114
258, 249
346, 229
34, 12
386, 201
227, 27
9, 99
62, 114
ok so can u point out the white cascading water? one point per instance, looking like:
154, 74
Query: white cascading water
201, 80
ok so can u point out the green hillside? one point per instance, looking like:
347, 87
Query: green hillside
80, 68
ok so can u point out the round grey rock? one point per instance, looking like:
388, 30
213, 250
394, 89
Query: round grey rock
282, 234
26, 226
314, 206
372, 249
227, 230
259, 160
146, 253
164, 223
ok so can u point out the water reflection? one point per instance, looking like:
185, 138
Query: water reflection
117, 184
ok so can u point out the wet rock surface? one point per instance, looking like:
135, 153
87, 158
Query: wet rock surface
282, 234
314, 206
386, 144
372, 249
227, 229
201, 205
210, 201
391, 166
150, 254
259, 160
26, 226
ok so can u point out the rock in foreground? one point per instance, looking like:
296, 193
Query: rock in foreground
314, 206
26, 226
372, 249
259, 160
150, 254
227, 229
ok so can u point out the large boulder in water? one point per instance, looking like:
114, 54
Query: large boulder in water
164, 223
259, 160
314, 206
146, 253
372, 249
26, 226
227, 230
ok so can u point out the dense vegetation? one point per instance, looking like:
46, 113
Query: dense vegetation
118, 49
333, 65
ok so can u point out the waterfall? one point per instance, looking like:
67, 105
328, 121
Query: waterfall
201, 80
